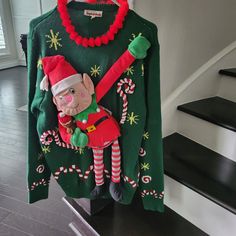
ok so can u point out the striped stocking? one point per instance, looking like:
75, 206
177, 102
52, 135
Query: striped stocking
98, 166
116, 161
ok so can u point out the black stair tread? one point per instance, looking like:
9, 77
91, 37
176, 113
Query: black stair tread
201, 169
229, 72
216, 110
117, 219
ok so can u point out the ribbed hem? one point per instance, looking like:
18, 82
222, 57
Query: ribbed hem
38, 194
153, 204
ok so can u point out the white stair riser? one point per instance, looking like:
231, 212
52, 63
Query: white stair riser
227, 88
205, 214
214, 137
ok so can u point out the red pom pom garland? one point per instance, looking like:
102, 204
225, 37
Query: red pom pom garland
100, 40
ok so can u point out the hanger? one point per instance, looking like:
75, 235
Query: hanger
115, 1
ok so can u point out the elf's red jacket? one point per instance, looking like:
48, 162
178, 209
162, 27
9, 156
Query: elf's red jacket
106, 128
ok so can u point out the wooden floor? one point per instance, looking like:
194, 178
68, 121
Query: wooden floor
47, 217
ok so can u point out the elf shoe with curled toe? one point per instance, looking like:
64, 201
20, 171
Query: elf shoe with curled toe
79, 139
115, 191
98, 191
139, 46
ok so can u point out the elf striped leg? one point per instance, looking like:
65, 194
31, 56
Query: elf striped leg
98, 166
115, 162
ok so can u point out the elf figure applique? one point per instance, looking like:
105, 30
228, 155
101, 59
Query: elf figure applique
82, 122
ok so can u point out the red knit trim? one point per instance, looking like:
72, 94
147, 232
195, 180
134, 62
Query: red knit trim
98, 41
114, 73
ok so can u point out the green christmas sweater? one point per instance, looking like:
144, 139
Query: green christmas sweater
141, 131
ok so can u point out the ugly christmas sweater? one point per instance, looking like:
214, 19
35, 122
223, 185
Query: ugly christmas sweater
92, 37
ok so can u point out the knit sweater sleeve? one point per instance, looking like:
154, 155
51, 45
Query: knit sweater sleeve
151, 161
38, 173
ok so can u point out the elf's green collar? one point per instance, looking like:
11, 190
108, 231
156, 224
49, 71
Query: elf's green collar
91, 109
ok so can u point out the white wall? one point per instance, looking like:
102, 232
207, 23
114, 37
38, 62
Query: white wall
22, 12
190, 33
8, 58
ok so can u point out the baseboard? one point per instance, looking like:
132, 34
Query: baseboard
22, 62
9, 64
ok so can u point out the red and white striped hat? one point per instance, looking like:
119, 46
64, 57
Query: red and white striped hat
59, 73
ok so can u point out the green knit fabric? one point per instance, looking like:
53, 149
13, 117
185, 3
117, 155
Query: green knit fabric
141, 139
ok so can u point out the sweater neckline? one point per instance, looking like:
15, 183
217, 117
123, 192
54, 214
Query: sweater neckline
103, 39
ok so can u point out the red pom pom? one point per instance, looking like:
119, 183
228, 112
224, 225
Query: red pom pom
98, 42
91, 1
113, 29
73, 35
110, 36
91, 42
85, 42
78, 40
105, 39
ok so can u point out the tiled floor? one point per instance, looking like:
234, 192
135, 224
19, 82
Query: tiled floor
47, 217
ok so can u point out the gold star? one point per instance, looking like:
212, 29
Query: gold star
80, 151
40, 63
146, 136
145, 166
129, 71
46, 149
95, 71
132, 118
142, 69
53, 40
134, 36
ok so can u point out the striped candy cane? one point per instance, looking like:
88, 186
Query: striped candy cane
46, 139
152, 193
40, 182
72, 169
129, 87
130, 181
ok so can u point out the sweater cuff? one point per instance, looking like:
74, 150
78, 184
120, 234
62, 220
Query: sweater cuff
153, 204
37, 194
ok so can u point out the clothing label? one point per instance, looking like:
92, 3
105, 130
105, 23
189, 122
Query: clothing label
92, 13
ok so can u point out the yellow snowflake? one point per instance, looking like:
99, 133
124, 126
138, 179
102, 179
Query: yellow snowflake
95, 71
80, 151
40, 63
145, 166
132, 118
146, 136
46, 149
129, 71
53, 40
142, 69
134, 36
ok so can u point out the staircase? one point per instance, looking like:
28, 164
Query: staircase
129, 220
200, 160
200, 177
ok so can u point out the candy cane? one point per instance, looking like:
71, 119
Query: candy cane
107, 173
130, 181
46, 139
72, 169
129, 87
152, 193
40, 182
87, 172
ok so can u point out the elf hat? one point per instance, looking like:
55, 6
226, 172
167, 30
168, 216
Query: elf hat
59, 73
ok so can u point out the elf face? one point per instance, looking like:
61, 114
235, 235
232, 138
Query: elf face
76, 98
